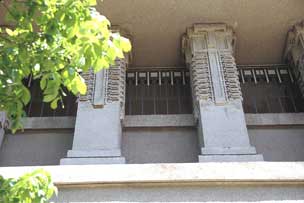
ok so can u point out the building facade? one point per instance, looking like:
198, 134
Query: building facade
208, 107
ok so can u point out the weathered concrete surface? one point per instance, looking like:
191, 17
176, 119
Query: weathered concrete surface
176, 120
275, 119
258, 173
207, 182
181, 194
157, 26
279, 144
48, 123
35, 147
160, 145
98, 132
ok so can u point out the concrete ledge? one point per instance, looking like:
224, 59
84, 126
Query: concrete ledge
92, 160
48, 122
94, 153
174, 120
275, 119
257, 173
187, 120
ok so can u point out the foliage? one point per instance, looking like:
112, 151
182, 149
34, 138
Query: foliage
35, 187
54, 41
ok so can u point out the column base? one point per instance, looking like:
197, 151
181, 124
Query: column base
230, 158
93, 161
228, 150
89, 157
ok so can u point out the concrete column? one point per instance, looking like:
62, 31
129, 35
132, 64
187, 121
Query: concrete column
98, 128
217, 97
294, 53
3, 125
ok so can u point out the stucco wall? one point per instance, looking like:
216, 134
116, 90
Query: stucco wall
197, 194
279, 144
160, 145
35, 147
147, 145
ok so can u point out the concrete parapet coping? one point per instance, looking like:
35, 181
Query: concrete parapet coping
49, 122
253, 173
176, 120
275, 119
187, 120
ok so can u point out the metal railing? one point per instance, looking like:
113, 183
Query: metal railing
150, 91
158, 91
38, 108
269, 89
265, 88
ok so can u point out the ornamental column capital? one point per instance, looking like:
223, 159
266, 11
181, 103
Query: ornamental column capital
294, 52
294, 48
206, 37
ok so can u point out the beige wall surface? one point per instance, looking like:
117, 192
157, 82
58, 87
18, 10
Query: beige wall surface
35, 148
157, 26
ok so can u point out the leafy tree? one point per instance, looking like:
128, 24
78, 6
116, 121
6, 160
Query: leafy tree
35, 187
54, 41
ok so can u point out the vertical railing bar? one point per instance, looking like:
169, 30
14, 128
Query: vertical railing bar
281, 105
242, 76
184, 79
159, 78
254, 76
136, 78
266, 75
41, 109
290, 75
278, 75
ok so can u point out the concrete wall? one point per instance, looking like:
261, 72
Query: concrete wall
279, 143
39, 147
147, 145
160, 145
204, 193
275, 182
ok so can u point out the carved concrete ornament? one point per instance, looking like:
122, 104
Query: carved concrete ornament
212, 45
217, 96
294, 52
108, 85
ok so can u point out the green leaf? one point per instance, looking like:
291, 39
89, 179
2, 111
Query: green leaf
125, 44
26, 97
92, 2
54, 103
81, 86
49, 98
69, 36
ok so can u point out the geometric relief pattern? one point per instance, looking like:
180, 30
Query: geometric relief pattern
231, 75
115, 89
294, 53
89, 78
201, 79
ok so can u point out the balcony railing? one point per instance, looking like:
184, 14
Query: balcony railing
270, 89
150, 91
265, 88
38, 108
158, 91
